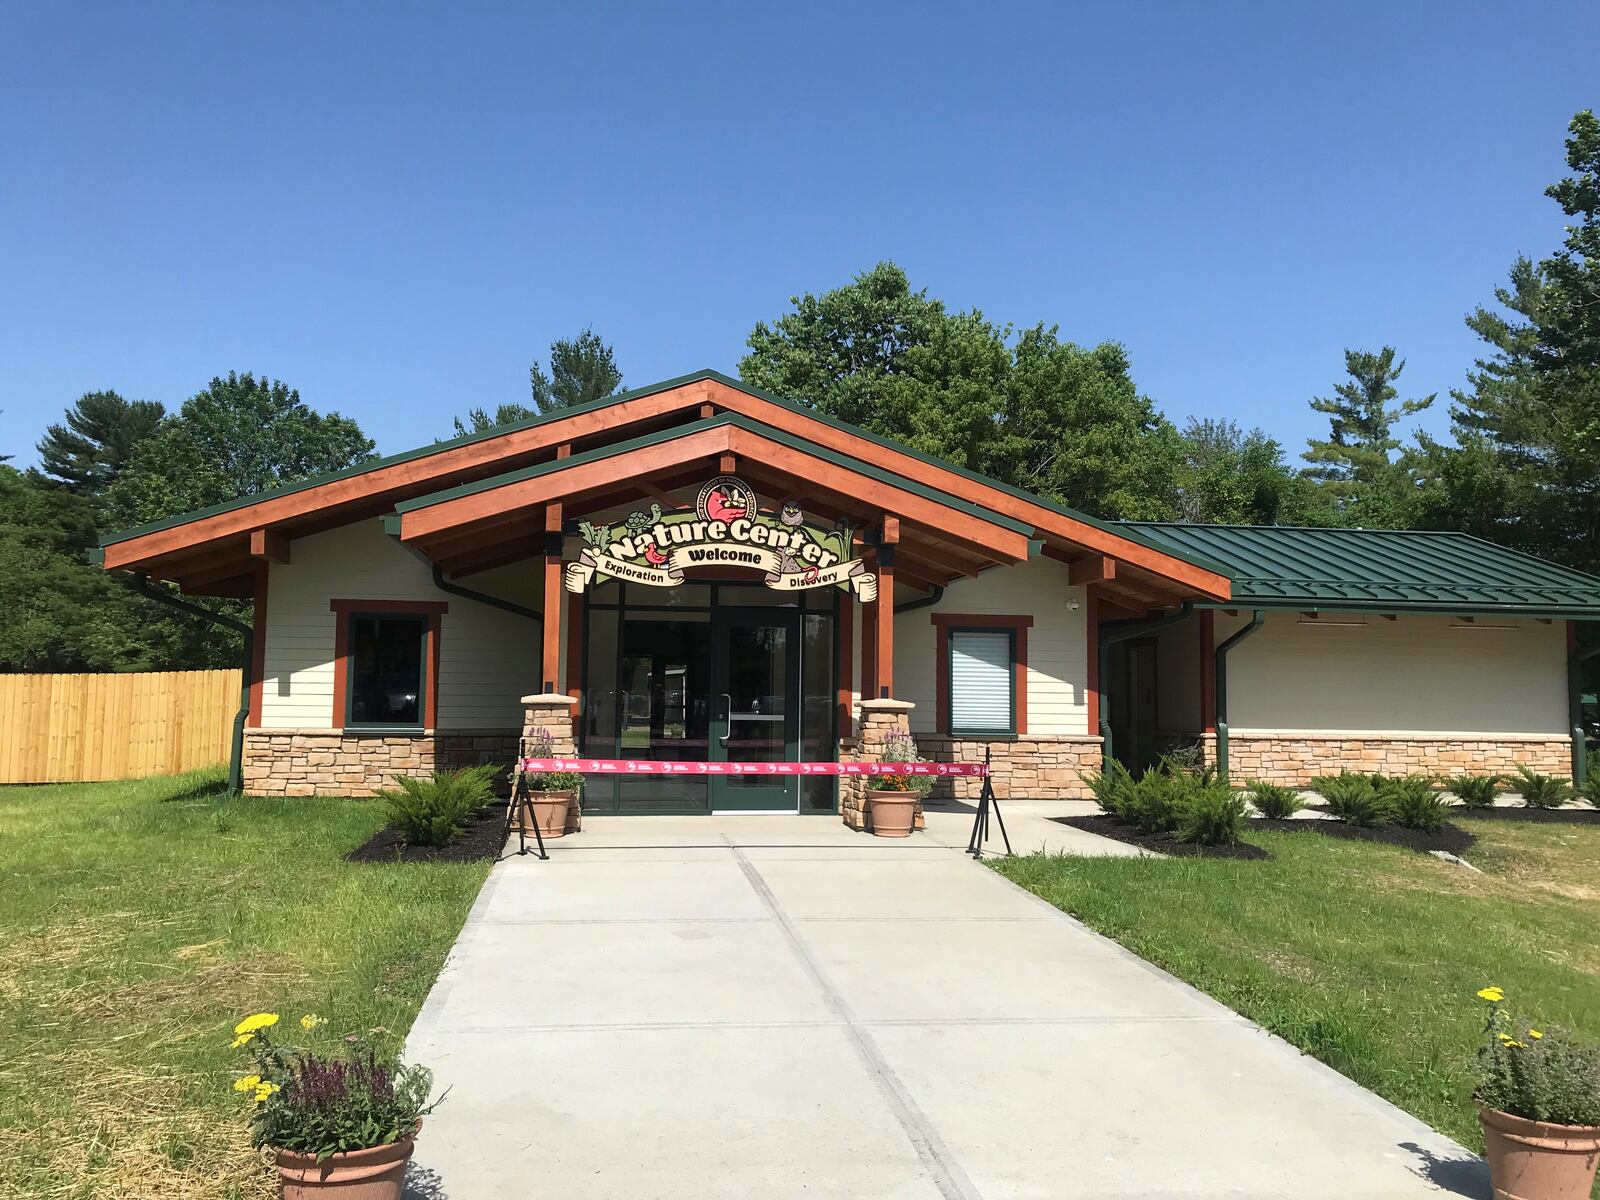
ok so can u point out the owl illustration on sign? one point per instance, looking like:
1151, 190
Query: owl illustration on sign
790, 514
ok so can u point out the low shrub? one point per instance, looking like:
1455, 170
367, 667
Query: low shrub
1157, 800
1541, 791
1475, 791
1536, 1074
1413, 803
541, 744
1274, 801
1353, 798
434, 811
1112, 789
1212, 815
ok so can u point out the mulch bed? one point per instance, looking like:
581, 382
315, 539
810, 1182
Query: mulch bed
480, 840
1451, 838
1161, 843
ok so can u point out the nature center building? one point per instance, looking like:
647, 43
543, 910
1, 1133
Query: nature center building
700, 572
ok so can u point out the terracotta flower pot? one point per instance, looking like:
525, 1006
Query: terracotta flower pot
375, 1174
892, 813
550, 811
1535, 1160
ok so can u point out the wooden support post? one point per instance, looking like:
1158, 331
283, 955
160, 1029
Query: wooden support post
550, 659
887, 541
1208, 671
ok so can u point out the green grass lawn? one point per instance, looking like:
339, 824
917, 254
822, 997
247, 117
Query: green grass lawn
138, 922
1364, 955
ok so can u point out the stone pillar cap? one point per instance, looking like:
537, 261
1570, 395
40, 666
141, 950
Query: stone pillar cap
886, 704
549, 700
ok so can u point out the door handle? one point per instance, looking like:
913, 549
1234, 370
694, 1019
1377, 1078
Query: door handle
727, 719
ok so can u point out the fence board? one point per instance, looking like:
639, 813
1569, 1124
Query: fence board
83, 728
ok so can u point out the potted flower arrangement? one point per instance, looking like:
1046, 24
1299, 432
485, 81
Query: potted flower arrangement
340, 1120
550, 793
892, 799
1539, 1103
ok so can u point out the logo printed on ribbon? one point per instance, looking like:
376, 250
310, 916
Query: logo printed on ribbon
636, 766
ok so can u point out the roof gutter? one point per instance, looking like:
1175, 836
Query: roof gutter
140, 583
1110, 635
1220, 682
466, 593
928, 601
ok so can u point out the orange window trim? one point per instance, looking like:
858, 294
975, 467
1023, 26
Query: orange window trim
433, 610
943, 623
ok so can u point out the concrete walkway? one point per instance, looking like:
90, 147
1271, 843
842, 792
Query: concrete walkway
775, 1007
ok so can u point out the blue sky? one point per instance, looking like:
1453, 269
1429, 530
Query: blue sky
394, 207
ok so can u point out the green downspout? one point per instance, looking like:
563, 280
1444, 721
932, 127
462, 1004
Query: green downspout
1219, 681
142, 585
1580, 748
1121, 633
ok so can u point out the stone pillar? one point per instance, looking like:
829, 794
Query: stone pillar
878, 717
555, 712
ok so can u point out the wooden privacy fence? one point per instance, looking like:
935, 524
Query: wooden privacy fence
80, 728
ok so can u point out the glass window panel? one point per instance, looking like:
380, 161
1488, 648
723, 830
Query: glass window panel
385, 674
818, 717
980, 680
756, 595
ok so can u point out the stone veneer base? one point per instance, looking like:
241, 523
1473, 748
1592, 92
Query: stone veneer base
1294, 759
333, 762
1028, 767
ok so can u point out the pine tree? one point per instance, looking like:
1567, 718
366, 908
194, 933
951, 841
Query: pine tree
582, 369
1356, 462
101, 431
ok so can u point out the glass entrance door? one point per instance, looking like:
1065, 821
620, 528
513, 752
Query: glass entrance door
755, 685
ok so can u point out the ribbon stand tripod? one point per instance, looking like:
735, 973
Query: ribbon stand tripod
987, 803
519, 812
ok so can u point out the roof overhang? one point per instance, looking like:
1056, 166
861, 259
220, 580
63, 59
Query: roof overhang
219, 549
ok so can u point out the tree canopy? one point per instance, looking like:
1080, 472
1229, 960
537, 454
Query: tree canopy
582, 369
97, 437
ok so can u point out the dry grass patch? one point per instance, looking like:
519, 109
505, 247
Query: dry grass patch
129, 949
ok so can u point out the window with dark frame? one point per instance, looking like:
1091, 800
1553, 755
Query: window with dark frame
387, 670
981, 669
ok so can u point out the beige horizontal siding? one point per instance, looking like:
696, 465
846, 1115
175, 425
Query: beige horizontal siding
488, 658
1057, 644
1413, 675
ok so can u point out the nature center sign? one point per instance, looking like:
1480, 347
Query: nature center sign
725, 528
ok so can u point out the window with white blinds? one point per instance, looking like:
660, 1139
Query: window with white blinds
981, 669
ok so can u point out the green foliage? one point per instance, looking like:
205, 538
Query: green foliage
582, 369
541, 744
1414, 803
1356, 462
238, 437
1274, 801
1157, 801
1537, 1074
900, 747
1112, 789
1523, 469
1024, 406
480, 420
1231, 477
1541, 791
1475, 791
1211, 815
97, 440
1353, 798
322, 1099
434, 811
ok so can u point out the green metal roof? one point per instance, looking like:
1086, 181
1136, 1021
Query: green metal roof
1391, 570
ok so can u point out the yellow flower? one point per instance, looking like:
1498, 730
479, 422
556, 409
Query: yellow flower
311, 1021
244, 1039
1507, 1040
1492, 994
264, 1089
1535, 1034
259, 1021
248, 1082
